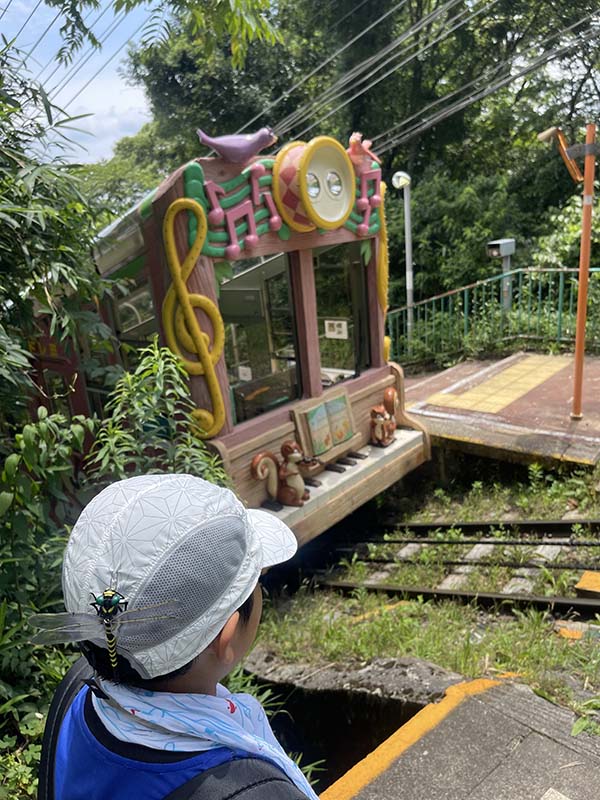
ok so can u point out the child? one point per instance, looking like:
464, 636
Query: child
160, 577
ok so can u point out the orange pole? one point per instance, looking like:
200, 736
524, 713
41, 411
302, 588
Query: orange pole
584, 268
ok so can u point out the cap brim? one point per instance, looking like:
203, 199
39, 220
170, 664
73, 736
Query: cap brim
277, 541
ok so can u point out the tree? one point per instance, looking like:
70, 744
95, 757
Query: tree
45, 235
242, 21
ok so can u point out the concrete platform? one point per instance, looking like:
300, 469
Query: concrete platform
520, 404
485, 740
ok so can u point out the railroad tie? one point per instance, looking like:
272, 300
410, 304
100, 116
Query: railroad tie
524, 578
458, 577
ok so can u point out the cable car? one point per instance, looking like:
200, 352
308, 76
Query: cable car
286, 355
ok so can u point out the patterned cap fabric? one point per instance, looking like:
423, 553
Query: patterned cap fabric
161, 538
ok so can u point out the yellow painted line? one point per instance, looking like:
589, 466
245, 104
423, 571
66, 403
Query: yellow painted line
505, 387
377, 611
377, 762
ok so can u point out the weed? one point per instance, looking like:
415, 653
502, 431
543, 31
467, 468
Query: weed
457, 637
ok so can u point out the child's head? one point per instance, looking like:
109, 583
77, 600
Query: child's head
187, 555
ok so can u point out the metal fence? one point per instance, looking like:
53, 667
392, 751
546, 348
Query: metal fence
522, 308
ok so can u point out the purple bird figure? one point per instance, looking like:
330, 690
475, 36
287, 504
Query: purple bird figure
239, 148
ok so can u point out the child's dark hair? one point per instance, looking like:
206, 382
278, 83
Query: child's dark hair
126, 674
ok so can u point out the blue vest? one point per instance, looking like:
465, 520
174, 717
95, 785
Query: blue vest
87, 770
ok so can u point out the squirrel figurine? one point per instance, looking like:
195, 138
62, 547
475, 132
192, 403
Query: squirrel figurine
391, 404
381, 435
284, 481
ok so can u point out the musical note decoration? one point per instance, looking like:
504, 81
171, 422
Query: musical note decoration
366, 204
250, 205
182, 327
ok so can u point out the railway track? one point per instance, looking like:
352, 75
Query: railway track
501, 564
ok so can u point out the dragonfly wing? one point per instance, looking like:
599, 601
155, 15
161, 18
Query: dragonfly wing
149, 613
66, 628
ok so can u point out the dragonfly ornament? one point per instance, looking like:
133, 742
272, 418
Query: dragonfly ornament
111, 614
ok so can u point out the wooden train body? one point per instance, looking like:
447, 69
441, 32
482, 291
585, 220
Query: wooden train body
268, 277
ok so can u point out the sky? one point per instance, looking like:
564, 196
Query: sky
116, 109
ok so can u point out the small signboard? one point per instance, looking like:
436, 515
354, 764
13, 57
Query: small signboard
336, 329
245, 373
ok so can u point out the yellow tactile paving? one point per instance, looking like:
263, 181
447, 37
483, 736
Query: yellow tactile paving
502, 389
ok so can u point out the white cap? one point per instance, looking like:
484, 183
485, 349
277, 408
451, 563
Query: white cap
162, 538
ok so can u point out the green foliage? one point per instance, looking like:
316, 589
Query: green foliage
241, 21
149, 425
38, 498
47, 223
559, 245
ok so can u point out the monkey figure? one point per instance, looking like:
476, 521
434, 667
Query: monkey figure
381, 436
284, 481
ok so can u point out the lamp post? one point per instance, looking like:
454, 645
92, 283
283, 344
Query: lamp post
589, 150
401, 180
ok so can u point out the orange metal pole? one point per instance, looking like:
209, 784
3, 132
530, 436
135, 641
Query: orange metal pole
584, 269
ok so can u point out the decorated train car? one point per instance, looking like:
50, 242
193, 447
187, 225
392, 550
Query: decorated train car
267, 275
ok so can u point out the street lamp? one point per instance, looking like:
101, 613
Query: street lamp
401, 180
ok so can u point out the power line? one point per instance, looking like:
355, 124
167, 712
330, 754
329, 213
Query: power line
42, 36
396, 67
22, 28
104, 37
483, 93
486, 76
5, 9
348, 14
352, 75
51, 59
108, 61
323, 64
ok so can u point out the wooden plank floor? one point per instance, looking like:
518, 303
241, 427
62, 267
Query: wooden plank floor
519, 404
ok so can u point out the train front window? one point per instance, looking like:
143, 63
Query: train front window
341, 313
260, 347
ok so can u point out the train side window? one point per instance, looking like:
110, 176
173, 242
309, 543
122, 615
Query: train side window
260, 347
342, 314
135, 321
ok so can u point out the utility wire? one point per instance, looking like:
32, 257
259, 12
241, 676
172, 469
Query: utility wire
396, 67
5, 9
108, 61
104, 37
483, 93
323, 64
42, 36
352, 76
348, 14
51, 59
22, 28
486, 76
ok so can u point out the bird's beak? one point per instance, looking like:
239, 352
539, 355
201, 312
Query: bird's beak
275, 139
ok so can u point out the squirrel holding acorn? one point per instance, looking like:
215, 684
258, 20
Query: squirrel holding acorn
284, 481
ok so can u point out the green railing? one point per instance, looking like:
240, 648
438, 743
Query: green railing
533, 308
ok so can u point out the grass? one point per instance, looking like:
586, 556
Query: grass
321, 627
479, 489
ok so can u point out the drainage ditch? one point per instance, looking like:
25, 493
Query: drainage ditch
339, 714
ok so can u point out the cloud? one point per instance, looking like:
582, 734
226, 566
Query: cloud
117, 110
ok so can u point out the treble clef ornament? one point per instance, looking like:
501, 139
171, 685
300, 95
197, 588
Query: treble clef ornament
182, 327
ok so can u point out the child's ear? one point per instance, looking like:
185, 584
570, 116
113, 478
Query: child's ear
222, 644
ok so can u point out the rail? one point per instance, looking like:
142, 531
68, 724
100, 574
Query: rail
535, 307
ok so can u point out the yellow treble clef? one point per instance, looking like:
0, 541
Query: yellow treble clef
182, 327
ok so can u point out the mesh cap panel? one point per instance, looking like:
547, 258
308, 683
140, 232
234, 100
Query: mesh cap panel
196, 573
